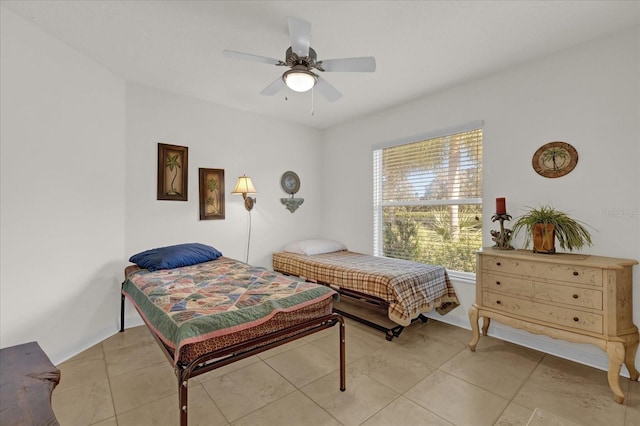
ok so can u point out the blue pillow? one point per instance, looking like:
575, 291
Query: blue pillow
175, 256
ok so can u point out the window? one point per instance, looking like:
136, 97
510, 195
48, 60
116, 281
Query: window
428, 198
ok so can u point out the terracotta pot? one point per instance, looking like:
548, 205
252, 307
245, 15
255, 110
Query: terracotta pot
544, 238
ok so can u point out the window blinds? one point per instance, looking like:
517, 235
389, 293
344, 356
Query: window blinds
428, 192
430, 172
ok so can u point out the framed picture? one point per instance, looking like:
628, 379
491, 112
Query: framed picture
173, 166
211, 194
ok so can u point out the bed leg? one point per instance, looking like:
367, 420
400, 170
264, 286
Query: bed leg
343, 385
182, 398
121, 312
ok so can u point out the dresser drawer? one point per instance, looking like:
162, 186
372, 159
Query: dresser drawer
543, 292
507, 284
551, 314
544, 271
567, 295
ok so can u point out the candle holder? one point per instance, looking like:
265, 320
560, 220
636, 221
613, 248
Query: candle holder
502, 237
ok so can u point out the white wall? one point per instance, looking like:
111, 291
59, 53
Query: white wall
79, 173
62, 196
219, 138
588, 96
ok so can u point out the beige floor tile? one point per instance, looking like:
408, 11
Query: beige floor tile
358, 342
439, 329
227, 369
108, 422
280, 349
129, 358
292, 409
143, 386
165, 412
393, 367
433, 356
362, 398
304, 364
333, 331
577, 392
633, 404
84, 405
405, 412
545, 418
514, 415
81, 372
430, 349
497, 366
247, 389
130, 336
457, 401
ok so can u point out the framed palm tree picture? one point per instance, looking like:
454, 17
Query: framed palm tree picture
211, 194
173, 165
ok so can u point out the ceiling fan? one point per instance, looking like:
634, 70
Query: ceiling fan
302, 60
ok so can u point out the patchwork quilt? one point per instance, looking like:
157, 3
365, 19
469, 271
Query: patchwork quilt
194, 303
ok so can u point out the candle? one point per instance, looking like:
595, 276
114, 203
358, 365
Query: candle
501, 205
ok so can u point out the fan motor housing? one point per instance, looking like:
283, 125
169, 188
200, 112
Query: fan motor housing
292, 59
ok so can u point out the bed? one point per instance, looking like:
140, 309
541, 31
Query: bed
405, 289
209, 311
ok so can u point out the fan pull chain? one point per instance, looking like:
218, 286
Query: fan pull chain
312, 91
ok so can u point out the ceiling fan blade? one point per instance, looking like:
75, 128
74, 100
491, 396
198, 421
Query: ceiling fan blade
300, 36
363, 64
273, 88
327, 90
249, 57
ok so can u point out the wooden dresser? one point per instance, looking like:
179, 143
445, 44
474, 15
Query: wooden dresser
574, 297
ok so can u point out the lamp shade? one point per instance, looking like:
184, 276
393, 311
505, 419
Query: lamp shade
244, 186
299, 80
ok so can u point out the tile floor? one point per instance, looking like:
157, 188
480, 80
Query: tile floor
427, 376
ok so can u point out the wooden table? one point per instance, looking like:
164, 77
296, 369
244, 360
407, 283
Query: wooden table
27, 379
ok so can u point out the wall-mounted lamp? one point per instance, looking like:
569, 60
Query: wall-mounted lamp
244, 186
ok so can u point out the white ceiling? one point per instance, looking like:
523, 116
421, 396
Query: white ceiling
420, 47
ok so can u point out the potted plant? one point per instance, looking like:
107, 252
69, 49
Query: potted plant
546, 224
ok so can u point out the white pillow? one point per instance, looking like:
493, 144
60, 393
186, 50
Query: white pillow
318, 246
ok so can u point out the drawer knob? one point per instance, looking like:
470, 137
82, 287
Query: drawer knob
497, 282
575, 273
498, 263
575, 296
498, 302
576, 319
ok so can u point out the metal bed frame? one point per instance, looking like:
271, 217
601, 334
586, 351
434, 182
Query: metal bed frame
376, 303
230, 354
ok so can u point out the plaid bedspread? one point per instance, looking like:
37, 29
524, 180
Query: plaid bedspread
410, 288
195, 303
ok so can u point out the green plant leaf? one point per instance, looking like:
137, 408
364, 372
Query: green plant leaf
570, 233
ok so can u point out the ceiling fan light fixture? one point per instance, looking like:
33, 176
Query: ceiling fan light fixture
299, 80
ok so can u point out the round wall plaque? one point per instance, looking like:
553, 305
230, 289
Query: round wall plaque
554, 159
290, 182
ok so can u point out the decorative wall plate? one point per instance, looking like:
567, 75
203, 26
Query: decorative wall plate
290, 182
554, 159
